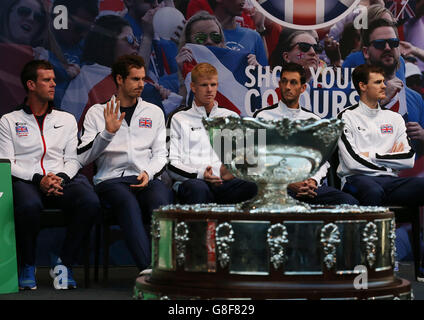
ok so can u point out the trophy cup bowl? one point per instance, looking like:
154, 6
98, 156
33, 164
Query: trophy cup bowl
273, 153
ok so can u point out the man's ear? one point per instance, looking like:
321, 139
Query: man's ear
303, 88
30, 85
119, 79
192, 87
365, 52
362, 86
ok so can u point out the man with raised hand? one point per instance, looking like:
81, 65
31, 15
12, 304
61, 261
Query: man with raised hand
126, 137
41, 143
312, 190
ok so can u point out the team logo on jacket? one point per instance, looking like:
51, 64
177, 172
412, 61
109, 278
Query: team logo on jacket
145, 123
21, 129
306, 14
386, 128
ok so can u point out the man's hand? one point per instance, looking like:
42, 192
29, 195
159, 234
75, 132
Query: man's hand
51, 185
225, 173
144, 180
304, 188
393, 86
414, 131
365, 154
147, 20
397, 147
332, 50
112, 122
164, 92
209, 177
251, 60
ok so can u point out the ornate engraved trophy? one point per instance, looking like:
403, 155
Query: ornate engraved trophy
273, 154
272, 247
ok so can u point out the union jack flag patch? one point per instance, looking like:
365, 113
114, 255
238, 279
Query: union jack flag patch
21, 130
386, 128
145, 123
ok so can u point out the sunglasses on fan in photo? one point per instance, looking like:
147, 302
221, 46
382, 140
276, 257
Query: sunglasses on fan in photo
132, 40
380, 44
202, 37
25, 12
305, 47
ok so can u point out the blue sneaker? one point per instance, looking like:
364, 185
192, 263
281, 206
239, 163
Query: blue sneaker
63, 277
26, 278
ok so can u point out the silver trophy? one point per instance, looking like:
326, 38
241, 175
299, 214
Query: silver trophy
273, 153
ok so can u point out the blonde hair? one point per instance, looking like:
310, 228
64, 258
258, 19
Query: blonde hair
203, 69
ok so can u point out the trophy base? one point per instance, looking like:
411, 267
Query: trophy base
221, 252
147, 289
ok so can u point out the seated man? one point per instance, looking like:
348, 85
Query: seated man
41, 144
312, 190
374, 145
126, 137
199, 173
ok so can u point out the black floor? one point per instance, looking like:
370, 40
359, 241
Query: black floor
121, 283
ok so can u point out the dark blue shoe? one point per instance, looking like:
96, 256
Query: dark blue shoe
63, 276
26, 278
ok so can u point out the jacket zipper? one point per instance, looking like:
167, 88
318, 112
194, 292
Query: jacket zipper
44, 142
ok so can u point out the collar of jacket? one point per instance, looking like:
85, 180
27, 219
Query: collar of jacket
24, 106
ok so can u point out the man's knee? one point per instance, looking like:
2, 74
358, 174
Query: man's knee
366, 195
346, 198
160, 194
195, 191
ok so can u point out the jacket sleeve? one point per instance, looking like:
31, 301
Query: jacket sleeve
7, 152
398, 160
93, 142
159, 153
70, 153
176, 168
320, 175
350, 156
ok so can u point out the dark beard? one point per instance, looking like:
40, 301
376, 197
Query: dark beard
388, 70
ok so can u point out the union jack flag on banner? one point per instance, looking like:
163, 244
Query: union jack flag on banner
402, 9
233, 89
306, 13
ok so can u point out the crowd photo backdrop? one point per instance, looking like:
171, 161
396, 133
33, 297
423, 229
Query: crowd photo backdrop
246, 40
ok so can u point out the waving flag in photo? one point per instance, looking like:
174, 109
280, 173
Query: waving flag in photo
402, 9
94, 84
306, 13
398, 103
231, 65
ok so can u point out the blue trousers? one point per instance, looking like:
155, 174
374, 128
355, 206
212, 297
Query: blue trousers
327, 195
386, 190
80, 204
133, 208
194, 191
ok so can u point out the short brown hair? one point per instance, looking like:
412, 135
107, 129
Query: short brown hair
366, 33
29, 71
294, 67
123, 65
362, 74
203, 69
